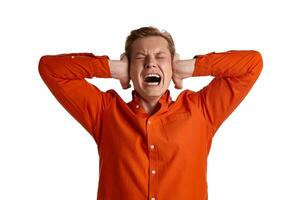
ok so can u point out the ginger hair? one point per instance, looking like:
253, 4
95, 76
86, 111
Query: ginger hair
146, 32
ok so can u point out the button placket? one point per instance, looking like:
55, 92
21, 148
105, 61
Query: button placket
153, 158
152, 146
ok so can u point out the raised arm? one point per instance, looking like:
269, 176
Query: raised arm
234, 73
65, 74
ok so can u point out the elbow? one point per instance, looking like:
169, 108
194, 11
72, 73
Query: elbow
257, 61
43, 66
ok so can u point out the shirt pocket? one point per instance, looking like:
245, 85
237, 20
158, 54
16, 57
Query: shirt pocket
177, 127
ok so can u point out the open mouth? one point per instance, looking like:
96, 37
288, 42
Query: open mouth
152, 79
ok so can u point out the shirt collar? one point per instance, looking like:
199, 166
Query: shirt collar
165, 101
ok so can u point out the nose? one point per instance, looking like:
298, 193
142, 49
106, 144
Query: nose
150, 62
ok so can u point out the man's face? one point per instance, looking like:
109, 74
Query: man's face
150, 66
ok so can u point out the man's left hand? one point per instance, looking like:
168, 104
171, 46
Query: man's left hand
181, 69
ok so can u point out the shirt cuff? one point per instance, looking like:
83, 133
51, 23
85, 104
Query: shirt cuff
202, 65
102, 69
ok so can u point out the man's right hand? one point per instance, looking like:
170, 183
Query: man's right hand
119, 69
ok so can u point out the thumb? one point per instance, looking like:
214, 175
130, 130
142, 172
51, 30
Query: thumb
178, 82
125, 84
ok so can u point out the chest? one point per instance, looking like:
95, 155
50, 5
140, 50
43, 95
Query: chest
184, 131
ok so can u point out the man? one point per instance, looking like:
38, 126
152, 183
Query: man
152, 147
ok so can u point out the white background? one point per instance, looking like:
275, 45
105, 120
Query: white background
45, 154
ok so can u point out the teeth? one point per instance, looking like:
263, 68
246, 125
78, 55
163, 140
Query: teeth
151, 75
154, 83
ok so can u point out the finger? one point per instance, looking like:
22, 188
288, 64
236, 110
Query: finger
176, 57
122, 55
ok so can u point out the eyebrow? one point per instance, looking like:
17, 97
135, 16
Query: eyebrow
139, 53
142, 53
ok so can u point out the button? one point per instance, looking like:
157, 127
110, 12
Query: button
137, 106
149, 122
153, 171
152, 146
153, 198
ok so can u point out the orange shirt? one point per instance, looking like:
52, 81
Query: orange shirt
156, 157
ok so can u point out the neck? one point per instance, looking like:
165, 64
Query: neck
150, 105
